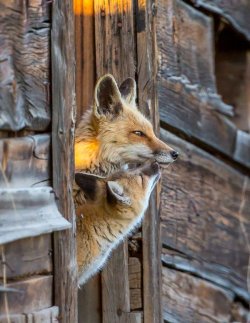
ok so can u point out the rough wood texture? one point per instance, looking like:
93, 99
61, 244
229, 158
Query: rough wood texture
25, 300
189, 299
85, 54
114, 43
135, 283
24, 65
236, 12
29, 212
205, 204
25, 162
27, 257
148, 103
63, 103
188, 98
48, 315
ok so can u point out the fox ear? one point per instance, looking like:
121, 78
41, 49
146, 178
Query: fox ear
88, 184
107, 97
116, 193
128, 90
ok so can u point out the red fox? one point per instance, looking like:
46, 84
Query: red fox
115, 133
113, 208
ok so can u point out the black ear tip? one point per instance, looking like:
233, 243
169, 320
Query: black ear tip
78, 177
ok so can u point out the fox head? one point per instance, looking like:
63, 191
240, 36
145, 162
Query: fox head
124, 194
123, 134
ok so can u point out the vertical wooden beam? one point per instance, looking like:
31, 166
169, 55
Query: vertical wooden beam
63, 120
85, 54
115, 48
147, 89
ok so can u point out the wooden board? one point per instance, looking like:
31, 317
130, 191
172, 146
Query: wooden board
29, 212
25, 299
205, 217
148, 103
63, 124
25, 161
189, 299
236, 12
28, 257
48, 315
24, 65
115, 47
188, 98
85, 54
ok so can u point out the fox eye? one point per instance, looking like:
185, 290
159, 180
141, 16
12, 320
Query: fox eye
139, 133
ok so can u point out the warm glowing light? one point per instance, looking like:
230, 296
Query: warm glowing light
85, 152
88, 7
84, 7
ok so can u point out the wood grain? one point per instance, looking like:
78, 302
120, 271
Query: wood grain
190, 299
202, 218
25, 300
115, 47
24, 65
188, 98
63, 107
25, 162
28, 257
236, 12
29, 212
85, 55
148, 103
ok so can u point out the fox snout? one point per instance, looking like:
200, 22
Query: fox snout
151, 169
165, 154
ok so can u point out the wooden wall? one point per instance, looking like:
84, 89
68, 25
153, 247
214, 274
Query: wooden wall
200, 53
203, 84
28, 208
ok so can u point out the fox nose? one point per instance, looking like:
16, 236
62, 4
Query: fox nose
174, 154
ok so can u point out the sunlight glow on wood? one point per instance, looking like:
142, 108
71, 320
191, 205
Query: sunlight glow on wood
89, 7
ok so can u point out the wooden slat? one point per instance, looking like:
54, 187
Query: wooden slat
48, 315
114, 44
135, 283
28, 257
147, 71
24, 65
28, 213
115, 288
63, 103
26, 300
236, 12
85, 54
188, 97
205, 204
25, 161
189, 299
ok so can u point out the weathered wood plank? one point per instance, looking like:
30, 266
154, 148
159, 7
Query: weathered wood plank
200, 216
188, 97
24, 65
63, 107
85, 54
48, 315
90, 301
190, 299
28, 257
115, 288
25, 162
236, 12
26, 300
115, 47
28, 213
148, 103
